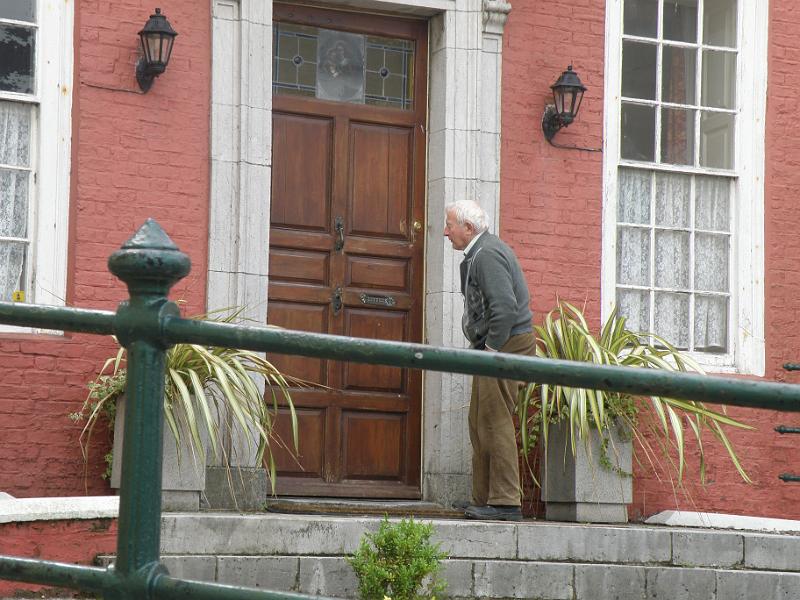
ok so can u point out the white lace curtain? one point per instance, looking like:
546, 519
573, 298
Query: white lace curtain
685, 284
15, 125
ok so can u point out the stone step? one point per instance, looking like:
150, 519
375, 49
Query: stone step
531, 559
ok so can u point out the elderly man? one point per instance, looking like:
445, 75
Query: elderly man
496, 318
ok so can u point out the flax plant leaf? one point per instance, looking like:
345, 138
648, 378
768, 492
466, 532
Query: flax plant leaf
565, 335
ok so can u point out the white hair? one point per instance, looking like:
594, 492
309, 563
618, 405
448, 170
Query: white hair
468, 211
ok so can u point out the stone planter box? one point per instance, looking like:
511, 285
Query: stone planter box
578, 487
183, 477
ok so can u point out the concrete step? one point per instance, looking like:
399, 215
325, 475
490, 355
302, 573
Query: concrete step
531, 559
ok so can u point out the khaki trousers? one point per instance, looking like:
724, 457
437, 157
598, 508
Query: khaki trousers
495, 459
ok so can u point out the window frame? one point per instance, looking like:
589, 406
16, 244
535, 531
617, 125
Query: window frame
49, 191
746, 313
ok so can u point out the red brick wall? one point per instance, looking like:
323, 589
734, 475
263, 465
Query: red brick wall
134, 156
75, 542
551, 214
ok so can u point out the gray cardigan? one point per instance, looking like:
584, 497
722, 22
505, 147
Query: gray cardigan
496, 296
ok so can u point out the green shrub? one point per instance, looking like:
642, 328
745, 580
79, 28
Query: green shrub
396, 561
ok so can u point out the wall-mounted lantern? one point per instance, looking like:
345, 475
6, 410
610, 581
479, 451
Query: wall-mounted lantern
567, 95
156, 37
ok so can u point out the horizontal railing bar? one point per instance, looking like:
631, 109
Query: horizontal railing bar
54, 573
170, 587
784, 429
737, 392
64, 318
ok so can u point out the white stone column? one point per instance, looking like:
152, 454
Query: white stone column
241, 155
463, 163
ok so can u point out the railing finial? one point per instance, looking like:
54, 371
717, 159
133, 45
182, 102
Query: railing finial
149, 262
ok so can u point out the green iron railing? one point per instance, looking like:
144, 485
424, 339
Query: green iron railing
147, 324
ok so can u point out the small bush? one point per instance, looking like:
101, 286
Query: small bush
396, 561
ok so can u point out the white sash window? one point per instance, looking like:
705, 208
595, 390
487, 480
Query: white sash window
683, 216
35, 129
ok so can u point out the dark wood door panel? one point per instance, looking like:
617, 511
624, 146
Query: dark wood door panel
312, 294
302, 317
372, 272
299, 266
382, 325
380, 167
308, 461
301, 171
280, 237
373, 445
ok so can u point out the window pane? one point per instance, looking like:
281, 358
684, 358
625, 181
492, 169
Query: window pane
18, 10
634, 305
634, 196
677, 136
12, 268
672, 318
673, 195
639, 70
390, 73
719, 23
641, 18
16, 59
638, 125
716, 140
13, 203
15, 134
711, 324
340, 66
680, 20
711, 263
719, 79
677, 75
712, 203
633, 256
672, 259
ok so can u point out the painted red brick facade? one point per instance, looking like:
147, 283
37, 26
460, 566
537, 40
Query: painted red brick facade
552, 213
137, 156
133, 156
75, 542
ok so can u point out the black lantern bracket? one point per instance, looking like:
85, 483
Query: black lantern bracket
156, 40
567, 97
553, 122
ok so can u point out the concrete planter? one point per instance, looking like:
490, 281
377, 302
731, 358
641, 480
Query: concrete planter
183, 477
577, 487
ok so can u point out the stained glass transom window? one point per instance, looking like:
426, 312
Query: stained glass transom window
343, 67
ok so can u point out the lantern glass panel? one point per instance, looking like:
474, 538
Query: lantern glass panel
577, 98
155, 44
168, 41
558, 100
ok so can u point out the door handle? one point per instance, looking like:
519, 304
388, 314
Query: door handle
338, 225
336, 301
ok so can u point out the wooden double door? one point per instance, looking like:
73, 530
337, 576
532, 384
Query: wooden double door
346, 247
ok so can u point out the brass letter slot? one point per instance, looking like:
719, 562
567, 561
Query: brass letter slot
377, 300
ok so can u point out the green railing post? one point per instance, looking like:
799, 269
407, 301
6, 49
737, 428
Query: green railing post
149, 264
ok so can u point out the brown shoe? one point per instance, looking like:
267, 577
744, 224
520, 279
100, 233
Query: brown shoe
494, 513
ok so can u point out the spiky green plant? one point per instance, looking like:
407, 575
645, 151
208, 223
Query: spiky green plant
202, 384
565, 335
